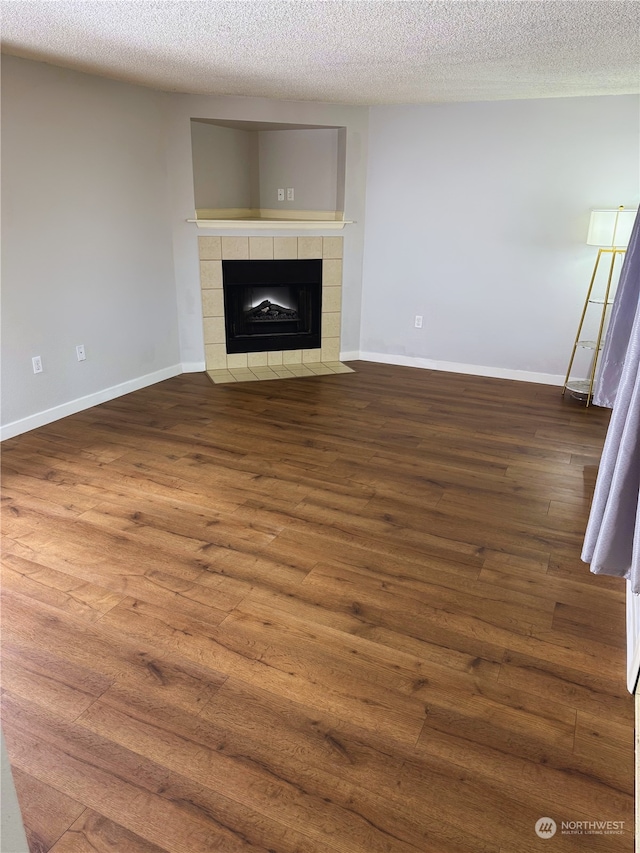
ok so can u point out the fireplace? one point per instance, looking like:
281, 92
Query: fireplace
272, 305
224, 366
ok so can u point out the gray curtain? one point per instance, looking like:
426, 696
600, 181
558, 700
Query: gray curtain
612, 539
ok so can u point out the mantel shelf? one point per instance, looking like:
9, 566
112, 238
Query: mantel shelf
273, 224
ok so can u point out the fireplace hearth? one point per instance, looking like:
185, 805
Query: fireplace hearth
272, 305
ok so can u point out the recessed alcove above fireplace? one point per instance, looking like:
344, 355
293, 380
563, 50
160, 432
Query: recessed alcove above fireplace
272, 305
253, 173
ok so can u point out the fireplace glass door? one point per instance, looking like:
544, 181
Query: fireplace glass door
272, 305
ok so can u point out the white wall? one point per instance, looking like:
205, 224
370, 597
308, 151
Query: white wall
476, 219
223, 166
285, 157
87, 253
185, 235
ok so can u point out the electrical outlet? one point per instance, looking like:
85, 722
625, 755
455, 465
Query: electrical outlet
36, 361
418, 322
289, 193
80, 352
281, 195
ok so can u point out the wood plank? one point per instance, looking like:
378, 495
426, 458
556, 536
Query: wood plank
59, 589
581, 622
340, 615
418, 665
127, 567
560, 786
93, 832
46, 812
88, 658
65, 686
163, 808
314, 755
320, 682
579, 689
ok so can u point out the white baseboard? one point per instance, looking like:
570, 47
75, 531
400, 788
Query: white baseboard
633, 639
82, 403
456, 367
193, 366
350, 356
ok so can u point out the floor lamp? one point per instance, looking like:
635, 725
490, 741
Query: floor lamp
610, 231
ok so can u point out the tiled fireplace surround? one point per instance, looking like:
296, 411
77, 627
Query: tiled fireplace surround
224, 367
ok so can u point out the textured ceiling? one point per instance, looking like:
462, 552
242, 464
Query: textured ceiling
356, 52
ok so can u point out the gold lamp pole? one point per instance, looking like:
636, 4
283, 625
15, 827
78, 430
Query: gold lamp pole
610, 231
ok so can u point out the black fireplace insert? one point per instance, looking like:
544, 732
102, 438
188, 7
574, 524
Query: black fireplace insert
272, 305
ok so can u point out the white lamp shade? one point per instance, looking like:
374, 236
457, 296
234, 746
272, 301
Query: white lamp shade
610, 227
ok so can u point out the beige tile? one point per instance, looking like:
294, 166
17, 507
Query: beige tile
332, 273
264, 373
236, 360
235, 248
209, 248
210, 274
339, 367
330, 325
292, 356
216, 356
244, 377
300, 370
274, 358
310, 356
257, 359
261, 248
240, 372
212, 303
285, 248
214, 330
332, 247
331, 298
220, 376
309, 247
282, 372
330, 349
320, 369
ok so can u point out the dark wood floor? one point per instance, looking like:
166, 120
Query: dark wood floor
344, 614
